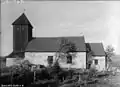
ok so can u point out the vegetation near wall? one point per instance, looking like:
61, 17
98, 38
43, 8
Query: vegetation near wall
52, 76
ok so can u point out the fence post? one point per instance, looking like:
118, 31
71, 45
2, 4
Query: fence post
34, 76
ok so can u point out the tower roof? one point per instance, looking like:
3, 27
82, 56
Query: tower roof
22, 20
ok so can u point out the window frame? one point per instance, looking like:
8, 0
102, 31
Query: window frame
50, 59
69, 59
96, 61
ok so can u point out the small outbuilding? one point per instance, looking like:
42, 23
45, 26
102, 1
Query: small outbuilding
96, 55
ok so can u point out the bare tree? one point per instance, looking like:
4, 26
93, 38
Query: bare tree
109, 53
67, 48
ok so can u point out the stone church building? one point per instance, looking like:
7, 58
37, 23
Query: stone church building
38, 49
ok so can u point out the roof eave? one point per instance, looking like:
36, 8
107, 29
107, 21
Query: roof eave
98, 55
50, 51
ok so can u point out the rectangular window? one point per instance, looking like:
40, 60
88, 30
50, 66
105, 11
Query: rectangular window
69, 59
50, 59
96, 62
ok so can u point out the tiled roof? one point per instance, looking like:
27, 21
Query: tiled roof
97, 49
14, 55
52, 44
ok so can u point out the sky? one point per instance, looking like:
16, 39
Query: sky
98, 21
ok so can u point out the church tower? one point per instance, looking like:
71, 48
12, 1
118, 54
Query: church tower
22, 33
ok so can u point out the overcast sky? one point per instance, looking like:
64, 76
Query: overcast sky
98, 21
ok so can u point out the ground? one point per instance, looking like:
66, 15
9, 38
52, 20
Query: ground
115, 80
111, 81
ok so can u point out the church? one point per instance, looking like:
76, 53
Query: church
38, 49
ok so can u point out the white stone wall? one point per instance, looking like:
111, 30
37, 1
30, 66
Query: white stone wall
101, 62
12, 61
41, 58
79, 61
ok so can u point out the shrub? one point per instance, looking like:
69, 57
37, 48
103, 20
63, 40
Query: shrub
42, 74
5, 70
20, 74
92, 72
54, 70
5, 79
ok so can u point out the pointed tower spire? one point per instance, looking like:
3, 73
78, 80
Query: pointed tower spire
22, 20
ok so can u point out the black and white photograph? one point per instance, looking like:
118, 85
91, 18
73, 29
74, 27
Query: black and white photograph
56, 43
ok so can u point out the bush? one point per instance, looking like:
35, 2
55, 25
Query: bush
5, 70
42, 74
5, 79
92, 72
18, 74
54, 70
17, 78
26, 78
